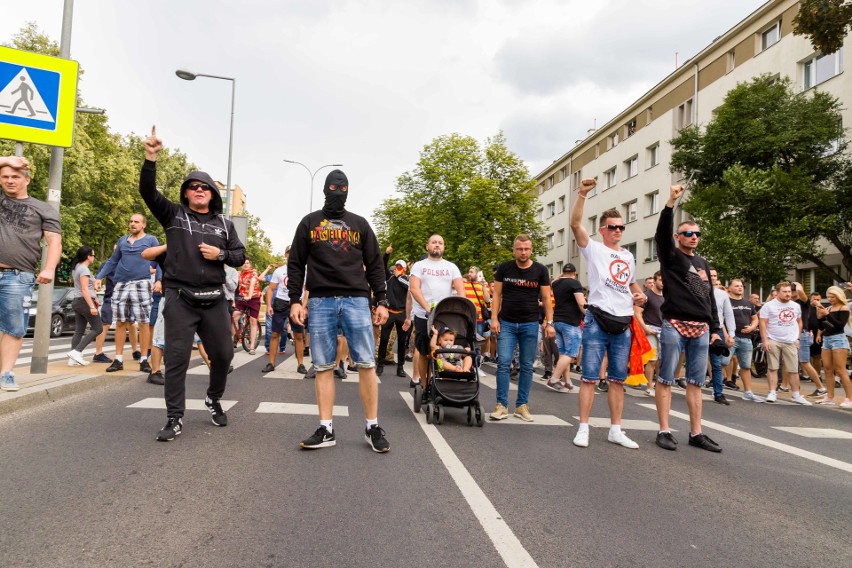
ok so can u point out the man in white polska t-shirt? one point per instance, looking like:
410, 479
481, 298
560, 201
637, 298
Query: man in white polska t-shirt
431, 280
613, 289
780, 327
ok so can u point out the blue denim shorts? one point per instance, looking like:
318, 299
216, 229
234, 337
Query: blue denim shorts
833, 342
568, 338
743, 349
696, 350
806, 339
596, 344
16, 294
352, 316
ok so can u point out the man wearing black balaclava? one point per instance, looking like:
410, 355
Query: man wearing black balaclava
344, 264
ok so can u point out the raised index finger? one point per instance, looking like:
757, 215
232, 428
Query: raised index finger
154, 131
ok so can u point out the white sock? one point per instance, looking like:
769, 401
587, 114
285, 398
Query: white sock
583, 427
119, 358
772, 391
371, 423
615, 429
327, 424
795, 394
142, 359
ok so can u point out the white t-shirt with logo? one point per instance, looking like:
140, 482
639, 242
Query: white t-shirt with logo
436, 282
782, 323
611, 272
279, 276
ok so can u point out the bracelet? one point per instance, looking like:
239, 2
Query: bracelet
581, 195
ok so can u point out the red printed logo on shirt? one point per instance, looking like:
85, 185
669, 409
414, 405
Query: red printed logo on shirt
786, 315
619, 270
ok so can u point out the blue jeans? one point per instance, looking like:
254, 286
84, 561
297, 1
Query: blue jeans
16, 294
352, 316
716, 364
672, 345
596, 344
525, 337
743, 349
568, 338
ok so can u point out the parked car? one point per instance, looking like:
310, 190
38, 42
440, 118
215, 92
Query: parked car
62, 318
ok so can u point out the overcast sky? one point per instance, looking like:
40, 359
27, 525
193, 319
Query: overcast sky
367, 83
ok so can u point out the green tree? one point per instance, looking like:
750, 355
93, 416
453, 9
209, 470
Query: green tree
824, 22
478, 197
771, 180
259, 246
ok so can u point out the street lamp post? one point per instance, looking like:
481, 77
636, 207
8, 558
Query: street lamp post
190, 76
312, 177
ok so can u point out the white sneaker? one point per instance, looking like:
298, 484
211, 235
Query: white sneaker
651, 392
846, 403
799, 399
772, 397
73, 363
77, 357
621, 439
753, 397
581, 440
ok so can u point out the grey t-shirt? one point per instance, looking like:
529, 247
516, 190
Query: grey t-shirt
80, 270
22, 222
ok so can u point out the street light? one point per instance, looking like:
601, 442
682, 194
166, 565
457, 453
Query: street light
190, 76
312, 176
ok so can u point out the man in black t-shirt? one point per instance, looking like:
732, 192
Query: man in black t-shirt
518, 286
807, 337
567, 315
745, 322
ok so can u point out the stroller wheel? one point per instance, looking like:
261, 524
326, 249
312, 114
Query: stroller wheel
418, 398
439, 414
428, 411
470, 416
479, 418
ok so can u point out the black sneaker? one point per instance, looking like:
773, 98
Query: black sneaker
681, 383
157, 378
409, 358
137, 355
312, 373
380, 368
375, 436
322, 438
301, 369
115, 366
351, 369
731, 385
721, 400
145, 367
172, 429
546, 375
603, 386
307, 351
666, 441
400, 372
784, 389
339, 373
217, 415
101, 358
413, 384
703, 442
269, 368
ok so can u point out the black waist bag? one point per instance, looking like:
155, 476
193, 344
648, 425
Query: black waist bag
280, 306
614, 325
203, 298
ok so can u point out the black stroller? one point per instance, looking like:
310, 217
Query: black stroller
451, 388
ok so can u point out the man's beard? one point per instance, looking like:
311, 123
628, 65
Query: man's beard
435, 254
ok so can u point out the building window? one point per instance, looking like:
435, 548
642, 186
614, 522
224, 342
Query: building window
653, 155
563, 173
651, 249
631, 248
540, 215
561, 207
575, 250
771, 36
684, 114
550, 241
550, 270
653, 201
630, 211
631, 167
559, 266
610, 177
560, 237
612, 141
593, 225
731, 61
575, 179
835, 145
631, 128
821, 68
551, 209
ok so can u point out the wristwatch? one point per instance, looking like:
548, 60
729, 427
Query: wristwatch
383, 303
549, 322
221, 256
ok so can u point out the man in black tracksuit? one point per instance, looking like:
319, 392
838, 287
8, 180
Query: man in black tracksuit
344, 264
397, 283
200, 242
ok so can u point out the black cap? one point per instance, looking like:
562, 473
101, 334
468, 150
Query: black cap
569, 268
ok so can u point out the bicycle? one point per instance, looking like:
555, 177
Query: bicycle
243, 334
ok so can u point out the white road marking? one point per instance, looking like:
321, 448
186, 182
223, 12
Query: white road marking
191, 404
538, 420
293, 408
841, 465
240, 358
504, 540
595, 422
828, 433
490, 381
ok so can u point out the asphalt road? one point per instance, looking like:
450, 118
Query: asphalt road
85, 484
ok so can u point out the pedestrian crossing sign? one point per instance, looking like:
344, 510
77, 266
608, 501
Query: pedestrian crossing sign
38, 97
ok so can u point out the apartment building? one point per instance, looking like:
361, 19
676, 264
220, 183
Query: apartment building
630, 154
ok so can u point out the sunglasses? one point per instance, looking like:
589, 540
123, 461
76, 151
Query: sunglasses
690, 233
204, 186
614, 227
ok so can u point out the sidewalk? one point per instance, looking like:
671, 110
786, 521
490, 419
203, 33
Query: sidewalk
61, 381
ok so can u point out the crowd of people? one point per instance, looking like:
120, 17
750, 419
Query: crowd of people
683, 328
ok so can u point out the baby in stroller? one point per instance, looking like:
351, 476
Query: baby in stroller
456, 362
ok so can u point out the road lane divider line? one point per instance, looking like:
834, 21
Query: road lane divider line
295, 408
792, 450
504, 540
191, 404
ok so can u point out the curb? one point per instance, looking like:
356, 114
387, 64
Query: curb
54, 390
